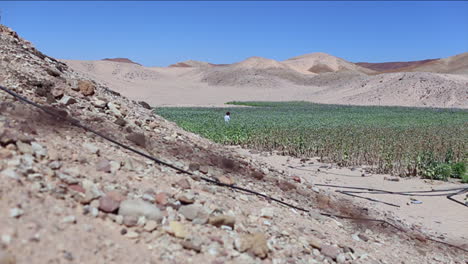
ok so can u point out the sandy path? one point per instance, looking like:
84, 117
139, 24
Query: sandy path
437, 216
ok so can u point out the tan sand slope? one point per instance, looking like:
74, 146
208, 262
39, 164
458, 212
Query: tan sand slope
457, 64
268, 80
392, 66
322, 63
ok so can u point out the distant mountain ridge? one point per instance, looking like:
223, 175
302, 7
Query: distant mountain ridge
125, 60
388, 66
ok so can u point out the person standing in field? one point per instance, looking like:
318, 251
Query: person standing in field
227, 117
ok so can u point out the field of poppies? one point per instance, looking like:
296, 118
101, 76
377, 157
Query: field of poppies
398, 140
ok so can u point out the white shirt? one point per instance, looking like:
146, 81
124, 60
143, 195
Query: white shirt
227, 118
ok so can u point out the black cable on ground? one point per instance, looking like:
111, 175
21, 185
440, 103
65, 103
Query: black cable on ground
76, 123
455, 191
367, 198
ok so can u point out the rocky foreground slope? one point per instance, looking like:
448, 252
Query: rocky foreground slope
68, 196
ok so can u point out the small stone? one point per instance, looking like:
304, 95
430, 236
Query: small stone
130, 220
110, 202
67, 100
10, 173
24, 148
204, 169
162, 198
194, 166
148, 197
114, 109
138, 138
69, 219
341, 258
86, 88
191, 245
5, 154
91, 148
132, 235
120, 122
99, 103
194, 211
139, 208
315, 242
103, 165
177, 229
330, 251
150, 226
55, 165
183, 184
363, 237
57, 93
186, 198
225, 180
114, 166
16, 212
221, 220
267, 212
254, 244
39, 150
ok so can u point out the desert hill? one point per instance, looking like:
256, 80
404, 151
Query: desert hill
392, 66
332, 80
125, 60
457, 64
322, 63
191, 63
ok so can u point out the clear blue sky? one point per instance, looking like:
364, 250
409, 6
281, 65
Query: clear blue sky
161, 33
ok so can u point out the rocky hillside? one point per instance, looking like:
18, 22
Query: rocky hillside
68, 196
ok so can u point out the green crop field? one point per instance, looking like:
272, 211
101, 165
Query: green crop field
398, 140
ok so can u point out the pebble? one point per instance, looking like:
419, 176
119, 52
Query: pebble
193, 211
39, 150
341, 258
10, 173
186, 198
191, 245
67, 100
221, 220
110, 202
103, 165
162, 198
69, 219
16, 212
330, 251
139, 208
267, 212
132, 235
183, 184
255, 244
150, 225
177, 229
91, 148
24, 148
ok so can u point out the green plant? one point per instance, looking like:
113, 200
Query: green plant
397, 140
458, 170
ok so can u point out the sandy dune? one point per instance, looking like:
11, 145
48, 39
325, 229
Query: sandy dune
256, 78
321, 63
